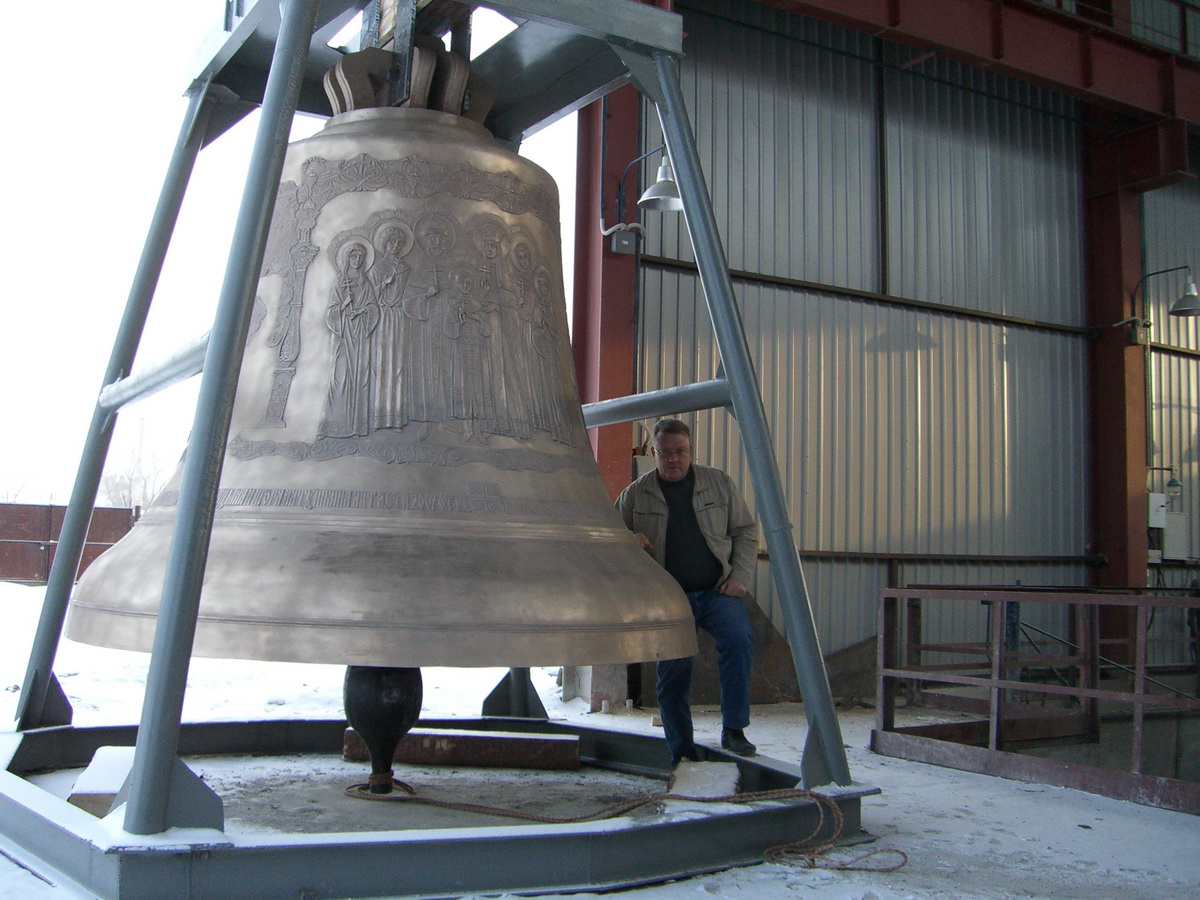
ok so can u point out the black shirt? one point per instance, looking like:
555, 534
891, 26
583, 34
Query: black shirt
687, 557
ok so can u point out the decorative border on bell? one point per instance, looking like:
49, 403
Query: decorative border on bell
417, 178
390, 450
471, 503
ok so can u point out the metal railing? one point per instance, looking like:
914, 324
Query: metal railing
1028, 688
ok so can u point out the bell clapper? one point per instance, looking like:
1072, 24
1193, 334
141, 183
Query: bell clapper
382, 704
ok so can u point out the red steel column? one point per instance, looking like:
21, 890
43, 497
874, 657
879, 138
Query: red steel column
602, 337
1113, 232
1119, 166
602, 332
1118, 399
605, 282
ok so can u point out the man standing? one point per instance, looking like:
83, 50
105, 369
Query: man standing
694, 522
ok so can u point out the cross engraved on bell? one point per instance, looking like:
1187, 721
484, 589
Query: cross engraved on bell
484, 497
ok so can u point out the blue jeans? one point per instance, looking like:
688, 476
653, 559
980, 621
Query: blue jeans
726, 620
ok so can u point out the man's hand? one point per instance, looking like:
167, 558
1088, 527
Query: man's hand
731, 587
643, 540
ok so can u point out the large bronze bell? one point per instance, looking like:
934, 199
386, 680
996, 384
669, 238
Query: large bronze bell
408, 480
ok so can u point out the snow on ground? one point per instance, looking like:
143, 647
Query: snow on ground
965, 835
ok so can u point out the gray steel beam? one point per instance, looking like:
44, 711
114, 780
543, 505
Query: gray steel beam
40, 682
183, 365
825, 756
622, 21
652, 404
156, 774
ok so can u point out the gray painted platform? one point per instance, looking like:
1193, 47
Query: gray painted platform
265, 852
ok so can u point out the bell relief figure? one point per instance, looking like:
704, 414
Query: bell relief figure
422, 388
551, 413
469, 329
351, 317
389, 275
512, 393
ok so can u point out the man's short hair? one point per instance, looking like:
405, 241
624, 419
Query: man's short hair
671, 426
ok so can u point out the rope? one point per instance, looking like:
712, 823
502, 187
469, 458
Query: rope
808, 851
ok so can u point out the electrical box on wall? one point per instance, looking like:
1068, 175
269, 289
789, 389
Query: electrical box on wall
624, 242
1158, 510
1177, 536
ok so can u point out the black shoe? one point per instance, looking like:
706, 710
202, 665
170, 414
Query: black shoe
735, 740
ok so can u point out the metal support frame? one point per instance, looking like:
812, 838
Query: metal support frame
158, 777
625, 852
657, 75
42, 700
161, 791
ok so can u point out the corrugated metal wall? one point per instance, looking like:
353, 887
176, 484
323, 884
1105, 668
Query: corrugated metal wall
790, 124
899, 429
983, 195
1171, 219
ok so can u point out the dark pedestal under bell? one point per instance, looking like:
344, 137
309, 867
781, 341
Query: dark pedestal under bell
382, 704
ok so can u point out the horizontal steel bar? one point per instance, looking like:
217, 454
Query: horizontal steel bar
652, 404
1068, 661
1040, 688
1034, 596
890, 299
949, 557
183, 365
1175, 350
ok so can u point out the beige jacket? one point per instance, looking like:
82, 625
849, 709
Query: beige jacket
723, 515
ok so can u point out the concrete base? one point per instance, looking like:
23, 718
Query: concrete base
409, 858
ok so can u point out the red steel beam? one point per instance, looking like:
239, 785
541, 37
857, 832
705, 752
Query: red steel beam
1030, 41
1113, 231
602, 331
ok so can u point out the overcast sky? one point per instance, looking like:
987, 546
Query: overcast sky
94, 102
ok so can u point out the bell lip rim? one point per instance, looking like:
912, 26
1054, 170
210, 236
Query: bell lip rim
432, 116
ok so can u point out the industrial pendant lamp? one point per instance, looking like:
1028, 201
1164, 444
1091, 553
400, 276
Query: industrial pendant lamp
1189, 303
663, 195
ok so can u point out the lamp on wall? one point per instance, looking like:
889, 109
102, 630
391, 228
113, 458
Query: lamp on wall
1189, 303
663, 196
1186, 305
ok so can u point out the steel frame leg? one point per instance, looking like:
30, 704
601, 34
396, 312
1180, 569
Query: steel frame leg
162, 791
42, 700
824, 753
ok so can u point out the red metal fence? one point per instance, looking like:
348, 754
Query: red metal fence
1024, 698
29, 537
